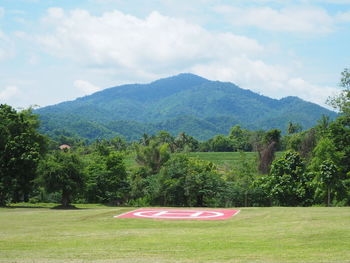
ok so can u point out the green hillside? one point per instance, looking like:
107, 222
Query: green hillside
183, 103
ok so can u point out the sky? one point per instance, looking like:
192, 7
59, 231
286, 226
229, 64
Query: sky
58, 50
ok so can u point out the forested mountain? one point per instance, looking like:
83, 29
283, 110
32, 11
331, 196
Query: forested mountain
183, 103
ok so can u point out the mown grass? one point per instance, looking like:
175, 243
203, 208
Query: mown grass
91, 234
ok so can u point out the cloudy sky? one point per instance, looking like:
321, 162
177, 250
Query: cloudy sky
57, 50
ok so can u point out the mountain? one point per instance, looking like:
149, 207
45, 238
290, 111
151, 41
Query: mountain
182, 103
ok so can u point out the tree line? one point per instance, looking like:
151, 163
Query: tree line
314, 168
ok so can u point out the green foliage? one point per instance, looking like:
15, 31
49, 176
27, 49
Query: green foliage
328, 172
241, 180
184, 103
105, 147
325, 150
293, 128
342, 101
190, 182
241, 138
287, 184
185, 143
107, 179
21, 147
62, 172
221, 143
328, 165
271, 136
323, 125
271, 142
153, 155
302, 142
339, 132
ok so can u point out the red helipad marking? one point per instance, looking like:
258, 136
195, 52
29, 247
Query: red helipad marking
163, 213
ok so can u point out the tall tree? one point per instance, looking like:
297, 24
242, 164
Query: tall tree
342, 101
287, 183
190, 182
62, 172
246, 172
293, 128
185, 143
271, 142
241, 138
153, 156
329, 177
106, 179
21, 147
323, 125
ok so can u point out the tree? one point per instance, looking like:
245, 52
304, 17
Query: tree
241, 138
271, 136
62, 172
287, 183
339, 132
145, 139
115, 183
342, 101
165, 137
118, 144
329, 177
190, 182
185, 143
221, 143
266, 151
153, 156
330, 166
107, 179
323, 125
325, 150
302, 142
308, 143
246, 172
293, 128
21, 147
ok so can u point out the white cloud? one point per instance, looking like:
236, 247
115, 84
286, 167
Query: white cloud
272, 81
343, 17
8, 93
86, 87
299, 19
155, 43
160, 46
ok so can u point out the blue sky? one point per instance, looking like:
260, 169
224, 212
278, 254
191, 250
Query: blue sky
57, 50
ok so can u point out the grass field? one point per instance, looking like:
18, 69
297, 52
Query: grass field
224, 160
91, 234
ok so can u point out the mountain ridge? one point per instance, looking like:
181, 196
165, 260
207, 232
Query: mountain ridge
182, 103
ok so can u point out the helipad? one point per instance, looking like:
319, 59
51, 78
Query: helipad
171, 213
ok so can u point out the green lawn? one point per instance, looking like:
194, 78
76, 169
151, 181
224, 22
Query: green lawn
91, 234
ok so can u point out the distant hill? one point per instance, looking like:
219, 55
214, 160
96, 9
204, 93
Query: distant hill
182, 103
